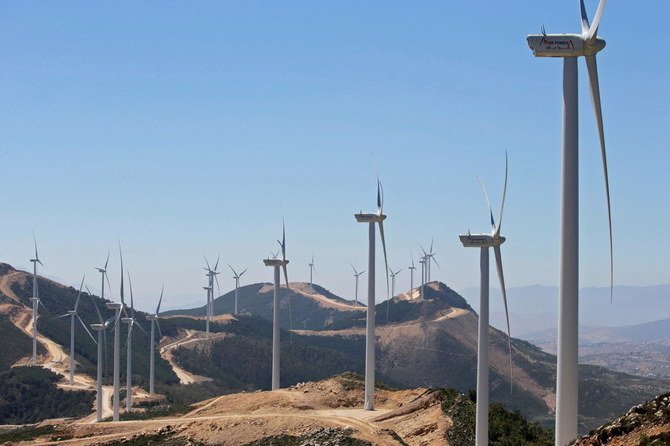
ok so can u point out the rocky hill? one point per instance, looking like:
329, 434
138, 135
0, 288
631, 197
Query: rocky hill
311, 309
325, 413
646, 424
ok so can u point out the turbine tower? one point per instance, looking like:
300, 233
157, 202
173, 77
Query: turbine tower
211, 276
277, 264
423, 275
118, 307
100, 327
237, 283
131, 321
570, 47
356, 275
484, 242
73, 315
371, 219
411, 275
393, 274
312, 270
152, 349
35, 300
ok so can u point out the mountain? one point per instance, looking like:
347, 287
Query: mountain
535, 308
428, 342
421, 342
641, 349
16, 288
310, 309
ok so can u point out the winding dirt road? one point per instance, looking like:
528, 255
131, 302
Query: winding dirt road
190, 336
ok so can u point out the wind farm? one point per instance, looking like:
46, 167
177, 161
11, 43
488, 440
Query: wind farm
192, 132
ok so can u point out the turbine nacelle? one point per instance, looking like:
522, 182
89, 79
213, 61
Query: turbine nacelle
370, 218
275, 262
481, 240
564, 45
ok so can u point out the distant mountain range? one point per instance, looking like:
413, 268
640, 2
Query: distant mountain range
535, 308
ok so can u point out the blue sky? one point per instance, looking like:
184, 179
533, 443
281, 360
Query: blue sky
190, 128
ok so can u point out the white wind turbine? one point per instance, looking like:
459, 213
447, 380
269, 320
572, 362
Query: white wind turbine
393, 275
312, 270
484, 242
73, 315
101, 328
371, 219
423, 275
152, 349
277, 264
35, 300
430, 258
411, 275
237, 283
211, 277
118, 307
103, 274
570, 47
131, 321
356, 275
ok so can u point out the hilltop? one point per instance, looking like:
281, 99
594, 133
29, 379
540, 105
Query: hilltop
312, 308
326, 412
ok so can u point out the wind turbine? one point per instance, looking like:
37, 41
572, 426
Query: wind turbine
277, 264
103, 273
237, 283
356, 275
371, 219
117, 307
131, 321
484, 242
152, 350
411, 275
211, 276
101, 328
570, 47
35, 300
312, 269
423, 274
73, 315
431, 259
393, 274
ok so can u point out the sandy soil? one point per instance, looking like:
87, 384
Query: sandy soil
414, 415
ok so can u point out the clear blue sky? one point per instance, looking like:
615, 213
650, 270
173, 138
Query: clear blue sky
190, 128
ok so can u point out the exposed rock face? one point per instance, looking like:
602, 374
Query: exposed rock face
644, 424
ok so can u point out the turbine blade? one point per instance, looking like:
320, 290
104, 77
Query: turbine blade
121, 258
136, 322
109, 285
288, 297
86, 328
502, 206
380, 197
386, 264
158, 308
208, 267
76, 303
488, 202
585, 19
501, 277
431, 245
361, 273
97, 310
216, 265
240, 275
37, 257
62, 315
592, 66
132, 304
107, 261
232, 269
355, 272
593, 30
159, 329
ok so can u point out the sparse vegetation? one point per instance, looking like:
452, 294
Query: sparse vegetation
29, 395
25, 433
323, 437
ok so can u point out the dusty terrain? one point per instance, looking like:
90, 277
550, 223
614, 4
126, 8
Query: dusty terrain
413, 415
